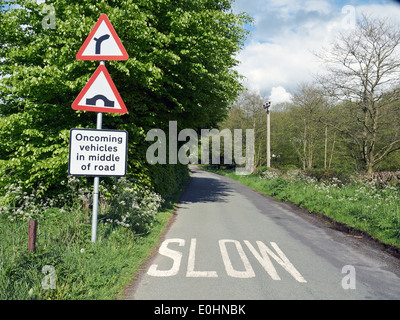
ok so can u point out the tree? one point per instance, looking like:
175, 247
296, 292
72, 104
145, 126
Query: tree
308, 104
180, 68
363, 71
284, 126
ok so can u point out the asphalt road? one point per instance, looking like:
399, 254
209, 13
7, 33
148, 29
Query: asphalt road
228, 242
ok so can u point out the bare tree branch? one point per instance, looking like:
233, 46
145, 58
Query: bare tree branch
363, 68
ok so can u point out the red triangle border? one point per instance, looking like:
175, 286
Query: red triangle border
101, 68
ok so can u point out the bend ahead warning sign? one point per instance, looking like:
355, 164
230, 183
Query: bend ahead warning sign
98, 153
102, 43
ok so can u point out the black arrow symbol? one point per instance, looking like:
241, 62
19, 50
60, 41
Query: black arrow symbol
99, 41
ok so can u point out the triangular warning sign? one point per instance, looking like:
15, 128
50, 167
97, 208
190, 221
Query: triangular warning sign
100, 94
102, 43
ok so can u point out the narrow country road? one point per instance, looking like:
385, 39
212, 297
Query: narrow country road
230, 243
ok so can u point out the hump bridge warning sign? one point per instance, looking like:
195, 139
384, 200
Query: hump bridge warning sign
100, 94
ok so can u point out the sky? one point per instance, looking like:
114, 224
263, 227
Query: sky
279, 54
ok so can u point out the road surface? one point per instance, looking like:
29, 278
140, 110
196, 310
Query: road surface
228, 242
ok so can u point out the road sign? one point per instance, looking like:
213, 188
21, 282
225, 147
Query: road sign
100, 94
96, 153
99, 152
102, 43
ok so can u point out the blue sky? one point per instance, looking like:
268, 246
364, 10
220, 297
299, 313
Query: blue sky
279, 53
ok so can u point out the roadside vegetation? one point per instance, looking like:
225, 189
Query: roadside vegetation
131, 222
364, 204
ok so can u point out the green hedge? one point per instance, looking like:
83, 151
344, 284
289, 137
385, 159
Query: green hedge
167, 179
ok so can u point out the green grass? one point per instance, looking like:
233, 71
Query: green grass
360, 205
84, 270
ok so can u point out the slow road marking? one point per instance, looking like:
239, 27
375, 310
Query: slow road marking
227, 248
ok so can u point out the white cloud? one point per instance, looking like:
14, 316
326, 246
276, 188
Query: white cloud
275, 64
389, 11
280, 53
285, 61
278, 95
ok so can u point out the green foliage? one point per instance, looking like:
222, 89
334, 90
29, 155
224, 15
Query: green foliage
132, 206
83, 270
124, 202
167, 178
325, 175
180, 68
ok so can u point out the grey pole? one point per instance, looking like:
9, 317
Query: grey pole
268, 140
267, 106
95, 208
99, 126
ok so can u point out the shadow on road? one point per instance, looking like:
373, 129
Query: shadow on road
204, 189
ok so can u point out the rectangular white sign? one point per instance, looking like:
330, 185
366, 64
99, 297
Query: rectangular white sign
98, 153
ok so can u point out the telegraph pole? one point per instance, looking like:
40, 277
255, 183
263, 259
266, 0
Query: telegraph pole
266, 106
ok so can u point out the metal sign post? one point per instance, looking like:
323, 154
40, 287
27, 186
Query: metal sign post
99, 125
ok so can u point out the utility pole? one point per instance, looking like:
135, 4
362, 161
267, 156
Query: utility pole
266, 106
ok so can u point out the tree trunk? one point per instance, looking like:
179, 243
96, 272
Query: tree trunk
370, 169
304, 145
326, 147
333, 148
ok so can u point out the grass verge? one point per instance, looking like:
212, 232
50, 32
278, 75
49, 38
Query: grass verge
76, 268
